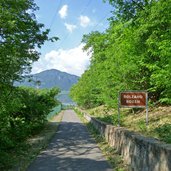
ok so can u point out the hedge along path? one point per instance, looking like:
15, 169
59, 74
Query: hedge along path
71, 149
38, 142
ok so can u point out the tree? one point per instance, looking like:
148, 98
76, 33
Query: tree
125, 10
132, 54
152, 41
21, 110
20, 37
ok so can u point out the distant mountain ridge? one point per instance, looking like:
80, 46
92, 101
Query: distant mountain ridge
50, 78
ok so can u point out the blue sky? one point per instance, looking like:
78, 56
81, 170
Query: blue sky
69, 20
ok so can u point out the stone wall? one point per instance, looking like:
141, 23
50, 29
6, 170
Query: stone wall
139, 152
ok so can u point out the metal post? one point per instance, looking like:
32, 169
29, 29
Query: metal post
119, 110
147, 109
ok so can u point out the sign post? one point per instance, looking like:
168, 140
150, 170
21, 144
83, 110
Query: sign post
133, 99
118, 110
146, 109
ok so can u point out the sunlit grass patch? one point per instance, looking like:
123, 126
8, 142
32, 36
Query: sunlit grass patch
159, 125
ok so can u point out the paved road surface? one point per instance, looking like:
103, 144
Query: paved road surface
71, 149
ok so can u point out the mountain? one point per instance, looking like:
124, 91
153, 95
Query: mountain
50, 78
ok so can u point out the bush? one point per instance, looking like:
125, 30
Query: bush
23, 113
164, 132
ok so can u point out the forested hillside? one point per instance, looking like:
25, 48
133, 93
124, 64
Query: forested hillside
134, 53
49, 79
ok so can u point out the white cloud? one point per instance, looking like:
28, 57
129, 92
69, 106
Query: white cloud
84, 21
36, 69
70, 27
73, 61
63, 12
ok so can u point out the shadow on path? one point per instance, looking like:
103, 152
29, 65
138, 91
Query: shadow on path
71, 149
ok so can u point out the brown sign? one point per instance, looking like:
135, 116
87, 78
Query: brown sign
133, 99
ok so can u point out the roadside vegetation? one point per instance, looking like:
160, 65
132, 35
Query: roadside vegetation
35, 144
159, 125
133, 53
24, 115
23, 111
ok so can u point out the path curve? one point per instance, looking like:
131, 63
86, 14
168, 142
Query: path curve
71, 149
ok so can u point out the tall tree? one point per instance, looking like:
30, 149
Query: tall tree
128, 9
133, 53
20, 36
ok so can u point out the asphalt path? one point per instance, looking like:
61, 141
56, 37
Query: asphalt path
71, 149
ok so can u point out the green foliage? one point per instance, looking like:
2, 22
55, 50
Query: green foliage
142, 125
20, 36
128, 9
22, 110
111, 119
164, 132
132, 54
158, 127
23, 115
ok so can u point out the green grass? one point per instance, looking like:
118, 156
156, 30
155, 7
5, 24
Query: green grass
111, 154
159, 120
